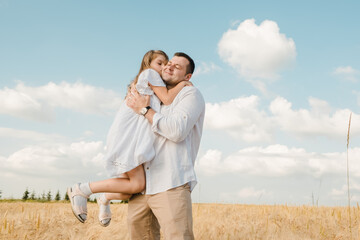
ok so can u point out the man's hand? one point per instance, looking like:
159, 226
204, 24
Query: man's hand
136, 102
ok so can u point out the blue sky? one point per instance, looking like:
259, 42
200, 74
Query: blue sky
280, 80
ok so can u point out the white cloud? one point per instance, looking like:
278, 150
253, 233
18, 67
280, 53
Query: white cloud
240, 118
28, 135
274, 160
345, 70
55, 160
277, 161
353, 187
319, 120
250, 192
212, 158
245, 193
205, 68
257, 51
336, 192
38, 103
20, 104
357, 93
342, 193
347, 73
54, 166
88, 133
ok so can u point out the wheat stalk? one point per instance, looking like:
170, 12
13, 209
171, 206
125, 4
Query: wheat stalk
347, 168
38, 222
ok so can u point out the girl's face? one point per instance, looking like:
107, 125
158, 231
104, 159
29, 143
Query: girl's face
158, 63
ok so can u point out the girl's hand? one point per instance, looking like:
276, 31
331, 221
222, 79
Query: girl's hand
188, 83
185, 83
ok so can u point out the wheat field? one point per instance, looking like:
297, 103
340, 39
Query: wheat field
34, 220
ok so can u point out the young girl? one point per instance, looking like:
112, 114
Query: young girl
129, 144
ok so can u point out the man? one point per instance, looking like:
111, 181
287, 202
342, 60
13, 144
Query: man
170, 177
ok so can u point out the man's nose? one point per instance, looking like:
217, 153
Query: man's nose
171, 66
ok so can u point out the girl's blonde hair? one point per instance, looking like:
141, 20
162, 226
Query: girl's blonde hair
147, 59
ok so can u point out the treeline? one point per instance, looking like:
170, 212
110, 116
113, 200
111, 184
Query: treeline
45, 197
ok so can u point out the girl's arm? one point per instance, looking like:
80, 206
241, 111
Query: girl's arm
167, 96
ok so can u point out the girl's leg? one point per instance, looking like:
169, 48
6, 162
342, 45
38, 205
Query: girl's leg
80, 192
107, 197
104, 206
136, 178
117, 196
134, 184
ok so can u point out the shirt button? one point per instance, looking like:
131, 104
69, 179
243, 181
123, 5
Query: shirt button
147, 168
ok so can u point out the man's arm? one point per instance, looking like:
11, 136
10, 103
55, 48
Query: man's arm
185, 114
177, 125
136, 102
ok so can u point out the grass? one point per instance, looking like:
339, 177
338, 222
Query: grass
33, 220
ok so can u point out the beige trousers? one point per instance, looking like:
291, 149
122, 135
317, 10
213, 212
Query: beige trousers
171, 210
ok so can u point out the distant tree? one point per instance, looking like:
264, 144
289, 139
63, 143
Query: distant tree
32, 196
66, 198
49, 197
43, 197
0, 193
26, 195
57, 196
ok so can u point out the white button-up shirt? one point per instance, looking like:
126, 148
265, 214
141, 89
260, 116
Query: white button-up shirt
178, 127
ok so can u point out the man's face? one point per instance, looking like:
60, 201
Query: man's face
175, 71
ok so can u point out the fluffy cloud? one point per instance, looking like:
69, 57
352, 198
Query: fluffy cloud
51, 166
250, 192
342, 192
347, 73
257, 51
33, 136
274, 160
205, 68
55, 160
277, 161
241, 118
354, 187
19, 104
319, 120
357, 93
245, 193
38, 103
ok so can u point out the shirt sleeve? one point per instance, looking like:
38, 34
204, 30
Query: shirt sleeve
178, 124
148, 76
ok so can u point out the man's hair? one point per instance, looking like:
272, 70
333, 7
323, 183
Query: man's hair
191, 66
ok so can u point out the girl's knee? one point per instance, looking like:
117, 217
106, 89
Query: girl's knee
139, 186
137, 179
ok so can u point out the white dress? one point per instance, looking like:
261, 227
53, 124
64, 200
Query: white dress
130, 139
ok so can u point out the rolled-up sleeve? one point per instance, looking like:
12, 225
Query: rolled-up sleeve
187, 109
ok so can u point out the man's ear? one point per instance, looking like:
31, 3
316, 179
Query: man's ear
188, 76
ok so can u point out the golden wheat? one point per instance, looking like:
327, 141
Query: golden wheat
26, 220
